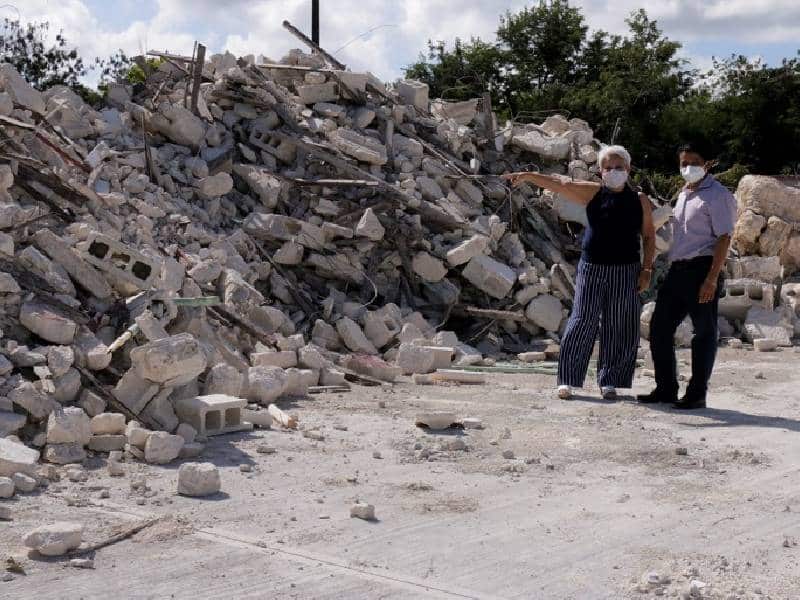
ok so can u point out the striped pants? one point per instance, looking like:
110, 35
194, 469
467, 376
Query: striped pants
606, 297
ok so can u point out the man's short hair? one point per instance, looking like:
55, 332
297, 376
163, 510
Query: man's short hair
700, 147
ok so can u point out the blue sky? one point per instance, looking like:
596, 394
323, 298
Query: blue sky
765, 28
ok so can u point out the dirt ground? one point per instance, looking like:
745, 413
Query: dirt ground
599, 496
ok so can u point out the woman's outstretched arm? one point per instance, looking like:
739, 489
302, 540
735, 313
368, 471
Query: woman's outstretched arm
580, 192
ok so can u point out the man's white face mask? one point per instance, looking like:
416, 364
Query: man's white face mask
615, 178
692, 173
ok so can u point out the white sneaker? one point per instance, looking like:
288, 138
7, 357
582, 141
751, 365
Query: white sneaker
564, 392
609, 392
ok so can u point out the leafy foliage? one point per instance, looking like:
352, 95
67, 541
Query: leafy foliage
634, 89
44, 62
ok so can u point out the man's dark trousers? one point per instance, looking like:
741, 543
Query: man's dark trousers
677, 298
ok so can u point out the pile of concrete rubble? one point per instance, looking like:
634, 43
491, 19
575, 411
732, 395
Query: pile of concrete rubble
220, 238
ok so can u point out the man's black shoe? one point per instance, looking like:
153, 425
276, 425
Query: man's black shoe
690, 403
655, 397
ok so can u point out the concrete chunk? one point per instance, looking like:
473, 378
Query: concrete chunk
490, 276
428, 268
265, 384
107, 443
467, 250
6, 487
416, 359
414, 92
224, 379
108, 424
68, 425
770, 324
198, 479
353, 337
20, 91
172, 361
56, 539
134, 392
64, 454
369, 226
545, 311
162, 448
360, 147
17, 458
32, 400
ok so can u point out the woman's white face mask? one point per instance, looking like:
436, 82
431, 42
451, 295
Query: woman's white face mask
692, 173
615, 178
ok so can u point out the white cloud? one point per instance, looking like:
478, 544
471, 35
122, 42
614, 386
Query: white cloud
400, 31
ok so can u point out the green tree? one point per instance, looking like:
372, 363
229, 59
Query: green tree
462, 73
758, 110
44, 63
624, 85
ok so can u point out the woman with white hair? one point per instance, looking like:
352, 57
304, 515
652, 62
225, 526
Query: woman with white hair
610, 274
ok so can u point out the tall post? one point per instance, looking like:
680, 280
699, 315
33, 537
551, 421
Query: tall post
197, 75
315, 21
488, 118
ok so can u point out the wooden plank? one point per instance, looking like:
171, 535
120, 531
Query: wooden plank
168, 56
500, 315
314, 46
333, 182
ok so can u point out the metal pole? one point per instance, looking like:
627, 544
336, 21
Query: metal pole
315, 21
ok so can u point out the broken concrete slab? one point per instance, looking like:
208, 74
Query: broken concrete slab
279, 227
360, 147
48, 324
